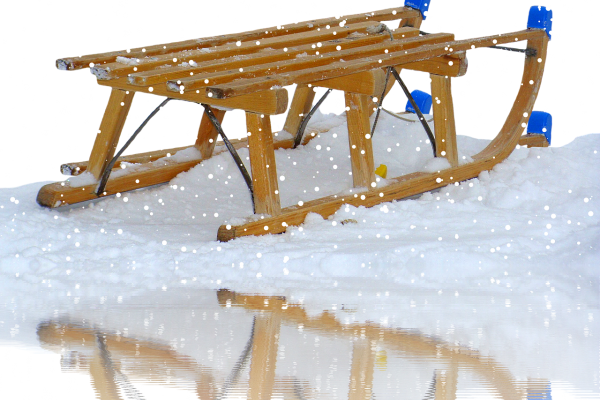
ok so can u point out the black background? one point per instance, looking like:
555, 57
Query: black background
35, 33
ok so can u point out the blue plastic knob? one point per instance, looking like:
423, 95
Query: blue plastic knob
423, 101
421, 5
540, 123
540, 393
540, 18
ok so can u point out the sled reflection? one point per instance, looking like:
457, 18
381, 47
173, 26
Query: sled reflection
119, 364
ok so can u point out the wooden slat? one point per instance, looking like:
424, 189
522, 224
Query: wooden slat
293, 66
110, 131
359, 136
268, 102
118, 70
234, 63
207, 133
262, 162
443, 119
72, 63
337, 69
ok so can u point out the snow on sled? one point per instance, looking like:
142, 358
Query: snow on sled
358, 54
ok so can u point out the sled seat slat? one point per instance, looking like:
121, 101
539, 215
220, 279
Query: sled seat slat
449, 65
390, 14
130, 65
263, 57
341, 68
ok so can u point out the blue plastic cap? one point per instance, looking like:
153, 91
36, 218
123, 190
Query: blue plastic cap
541, 123
540, 18
421, 5
540, 393
423, 101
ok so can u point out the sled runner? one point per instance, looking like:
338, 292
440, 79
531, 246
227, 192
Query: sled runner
358, 54
118, 362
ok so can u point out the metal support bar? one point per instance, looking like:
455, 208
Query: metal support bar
528, 52
239, 366
387, 78
113, 372
232, 150
418, 111
300, 133
111, 164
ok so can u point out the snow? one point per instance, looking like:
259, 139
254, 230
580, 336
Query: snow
523, 236
128, 61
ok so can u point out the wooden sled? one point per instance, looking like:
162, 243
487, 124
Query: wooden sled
249, 71
110, 358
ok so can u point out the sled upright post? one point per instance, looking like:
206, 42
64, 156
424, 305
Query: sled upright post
251, 71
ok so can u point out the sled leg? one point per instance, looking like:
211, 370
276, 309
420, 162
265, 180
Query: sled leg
359, 135
207, 133
446, 382
110, 131
103, 377
264, 356
443, 119
361, 371
301, 105
262, 163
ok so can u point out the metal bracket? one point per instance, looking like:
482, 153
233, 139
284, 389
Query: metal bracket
417, 110
302, 128
240, 164
106, 174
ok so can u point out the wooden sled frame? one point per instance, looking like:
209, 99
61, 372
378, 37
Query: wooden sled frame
154, 361
258, 89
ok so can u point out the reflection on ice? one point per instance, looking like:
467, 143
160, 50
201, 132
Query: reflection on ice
282, 352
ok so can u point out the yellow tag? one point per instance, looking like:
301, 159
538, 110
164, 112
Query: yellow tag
381, 360
381, 171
